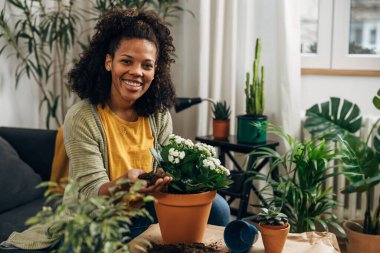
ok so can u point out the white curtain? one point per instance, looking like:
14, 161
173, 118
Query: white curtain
216, 48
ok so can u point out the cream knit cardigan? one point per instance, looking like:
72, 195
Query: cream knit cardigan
86, 147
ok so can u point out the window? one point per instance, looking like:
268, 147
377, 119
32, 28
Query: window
340, 34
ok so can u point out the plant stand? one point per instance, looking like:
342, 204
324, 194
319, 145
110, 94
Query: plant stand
240, 189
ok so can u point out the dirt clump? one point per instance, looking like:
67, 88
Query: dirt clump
183, 248
152, 176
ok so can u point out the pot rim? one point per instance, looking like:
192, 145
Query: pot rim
345, 226
275, 227
252, 116
185, 199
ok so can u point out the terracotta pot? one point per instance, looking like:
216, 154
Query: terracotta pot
221, 129
358, 241
274, 239
183, 217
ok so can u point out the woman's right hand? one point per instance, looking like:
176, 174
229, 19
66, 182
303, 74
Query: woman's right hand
133, 175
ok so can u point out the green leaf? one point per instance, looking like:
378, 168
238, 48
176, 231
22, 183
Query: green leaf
333, 116
376, 143
358, 158
376, 100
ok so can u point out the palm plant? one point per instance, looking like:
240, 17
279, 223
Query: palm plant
299, 189
361, 159
220, 110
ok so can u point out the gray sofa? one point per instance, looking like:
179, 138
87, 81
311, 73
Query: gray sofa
26, 156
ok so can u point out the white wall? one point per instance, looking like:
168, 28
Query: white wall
359, 90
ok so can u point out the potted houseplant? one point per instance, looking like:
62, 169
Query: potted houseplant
299, 187
96, 224
251, 126
360, 163
221, 120
184, 209
274, 228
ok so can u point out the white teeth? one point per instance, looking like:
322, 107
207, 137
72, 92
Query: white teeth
130, 83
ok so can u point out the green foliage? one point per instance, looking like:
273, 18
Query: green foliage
333, 117
95, 224
220, 110
254, 89
299, 190
360, 159
270, 216
42, 40
192, 166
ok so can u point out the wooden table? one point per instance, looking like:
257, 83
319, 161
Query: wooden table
309, 242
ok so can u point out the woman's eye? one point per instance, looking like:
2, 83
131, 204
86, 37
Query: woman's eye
127, 61
148, 66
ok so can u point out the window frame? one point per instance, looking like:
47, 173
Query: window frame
333, 32
321, 59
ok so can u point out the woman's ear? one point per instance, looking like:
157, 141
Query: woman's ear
108, 62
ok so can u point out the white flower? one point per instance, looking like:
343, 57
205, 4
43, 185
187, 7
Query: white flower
180, 142
209, 150
214, 164
224, 170
175, 155
189, 143
208, 163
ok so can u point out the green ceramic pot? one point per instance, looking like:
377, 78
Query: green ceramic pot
248, 132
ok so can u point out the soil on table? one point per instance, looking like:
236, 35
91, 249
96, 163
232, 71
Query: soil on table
183, 248
152, 177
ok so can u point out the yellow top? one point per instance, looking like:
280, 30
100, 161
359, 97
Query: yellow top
128, 143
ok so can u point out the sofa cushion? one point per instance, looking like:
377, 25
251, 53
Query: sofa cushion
14, 220
17, 179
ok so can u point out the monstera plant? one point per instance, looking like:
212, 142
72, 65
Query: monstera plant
340, 119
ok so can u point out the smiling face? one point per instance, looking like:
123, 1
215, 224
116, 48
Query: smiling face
132, 69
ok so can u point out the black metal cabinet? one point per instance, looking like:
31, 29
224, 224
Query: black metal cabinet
241, 188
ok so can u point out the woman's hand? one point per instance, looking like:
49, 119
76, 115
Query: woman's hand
133, 175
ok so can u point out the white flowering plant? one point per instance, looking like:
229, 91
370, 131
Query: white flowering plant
192, 166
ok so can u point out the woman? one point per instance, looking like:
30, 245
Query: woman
124, 81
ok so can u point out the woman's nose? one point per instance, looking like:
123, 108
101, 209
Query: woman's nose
136, 70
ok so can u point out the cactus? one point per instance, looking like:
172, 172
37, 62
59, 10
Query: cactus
221, 110
254, 89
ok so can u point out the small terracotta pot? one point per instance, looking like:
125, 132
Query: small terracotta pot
274, 238
221, 129
183, 217
358, 241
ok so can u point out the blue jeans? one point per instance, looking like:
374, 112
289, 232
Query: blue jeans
219, 215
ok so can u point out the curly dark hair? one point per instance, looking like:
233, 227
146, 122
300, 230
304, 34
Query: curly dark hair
89, 78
